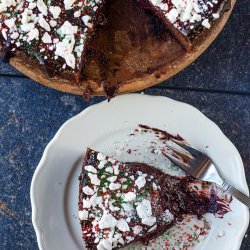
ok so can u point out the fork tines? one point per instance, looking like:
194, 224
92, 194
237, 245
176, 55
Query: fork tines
180, 158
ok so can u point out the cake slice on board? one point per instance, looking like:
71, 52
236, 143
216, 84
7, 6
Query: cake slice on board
106, 46
187, 19
121, 203
54, 34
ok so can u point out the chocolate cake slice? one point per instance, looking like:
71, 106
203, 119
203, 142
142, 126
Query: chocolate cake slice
53, 34
121, 203
187, 19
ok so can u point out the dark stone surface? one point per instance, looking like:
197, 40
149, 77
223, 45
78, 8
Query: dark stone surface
30, 116
6, 69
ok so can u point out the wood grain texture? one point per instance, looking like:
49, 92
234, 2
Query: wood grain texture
162, 72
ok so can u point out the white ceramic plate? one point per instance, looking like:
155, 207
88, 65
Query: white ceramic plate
54, 188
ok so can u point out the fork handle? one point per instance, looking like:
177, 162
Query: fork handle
236, 193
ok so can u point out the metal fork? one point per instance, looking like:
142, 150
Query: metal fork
200, 166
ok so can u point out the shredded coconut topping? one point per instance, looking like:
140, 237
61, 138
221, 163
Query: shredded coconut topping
186, 15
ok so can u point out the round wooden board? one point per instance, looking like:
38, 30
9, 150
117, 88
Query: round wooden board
133, 84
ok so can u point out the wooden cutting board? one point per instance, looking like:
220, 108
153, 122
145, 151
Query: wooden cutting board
141, 53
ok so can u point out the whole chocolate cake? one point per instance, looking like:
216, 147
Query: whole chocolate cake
75, 39
121, 203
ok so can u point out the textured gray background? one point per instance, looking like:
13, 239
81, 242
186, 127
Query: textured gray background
218, 84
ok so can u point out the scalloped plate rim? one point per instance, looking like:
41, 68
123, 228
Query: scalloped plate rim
82, 114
